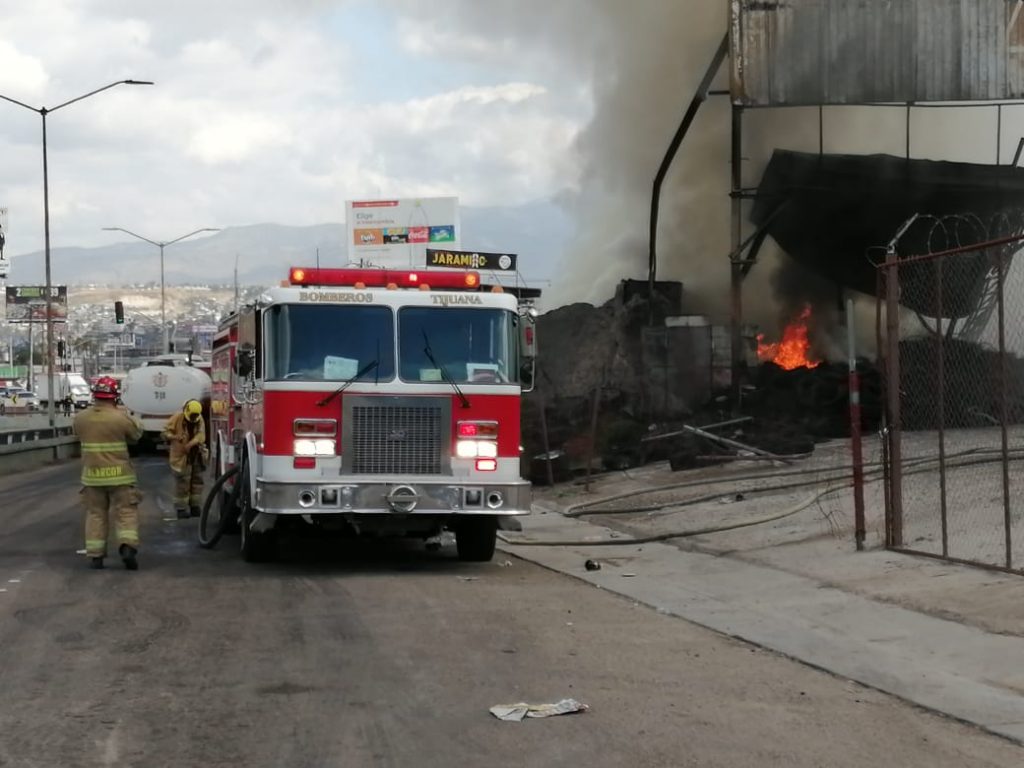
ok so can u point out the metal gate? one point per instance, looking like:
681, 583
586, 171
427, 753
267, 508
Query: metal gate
950, 328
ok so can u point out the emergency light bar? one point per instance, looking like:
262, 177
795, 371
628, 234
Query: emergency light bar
383, 278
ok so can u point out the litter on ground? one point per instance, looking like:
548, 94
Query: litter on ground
516, 712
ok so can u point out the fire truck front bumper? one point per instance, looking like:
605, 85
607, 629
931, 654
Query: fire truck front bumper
416, 497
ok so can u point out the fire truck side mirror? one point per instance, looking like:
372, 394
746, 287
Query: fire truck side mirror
528, 349
528, 335
244, 361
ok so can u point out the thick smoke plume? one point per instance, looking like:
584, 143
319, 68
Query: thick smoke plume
641, 63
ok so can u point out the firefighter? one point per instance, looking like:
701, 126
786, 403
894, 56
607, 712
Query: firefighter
187, 435
108, 478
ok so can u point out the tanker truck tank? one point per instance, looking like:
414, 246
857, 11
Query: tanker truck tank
159, 389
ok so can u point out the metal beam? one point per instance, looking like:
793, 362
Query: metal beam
691, 113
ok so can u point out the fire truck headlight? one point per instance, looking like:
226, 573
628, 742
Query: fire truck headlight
466, 449
471, 449
314, 448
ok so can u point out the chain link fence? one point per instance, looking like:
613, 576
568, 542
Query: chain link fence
951, 331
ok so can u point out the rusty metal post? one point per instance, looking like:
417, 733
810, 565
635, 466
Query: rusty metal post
999, 134
592, 448
546, 442
735, 266
892, 322
1003, 411
940, 376
908, 130
856, 448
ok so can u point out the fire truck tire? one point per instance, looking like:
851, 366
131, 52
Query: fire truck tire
475, 538
255, 547
229, 504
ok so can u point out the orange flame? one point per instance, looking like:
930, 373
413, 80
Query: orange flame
792, 351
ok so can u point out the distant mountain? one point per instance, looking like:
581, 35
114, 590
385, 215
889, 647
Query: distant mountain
538, 232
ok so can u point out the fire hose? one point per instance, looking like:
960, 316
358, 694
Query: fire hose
210, 532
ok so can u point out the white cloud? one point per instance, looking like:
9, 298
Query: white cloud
267, 110
427, 37
233, 138
21, 73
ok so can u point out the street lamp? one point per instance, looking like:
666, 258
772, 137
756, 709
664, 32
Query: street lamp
161, 244
43, 112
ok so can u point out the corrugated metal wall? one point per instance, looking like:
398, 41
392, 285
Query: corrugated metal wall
806, 52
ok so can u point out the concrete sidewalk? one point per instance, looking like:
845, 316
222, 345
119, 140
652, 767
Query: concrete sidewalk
959, 670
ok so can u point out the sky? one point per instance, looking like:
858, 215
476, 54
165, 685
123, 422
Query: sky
279, 111
269, 111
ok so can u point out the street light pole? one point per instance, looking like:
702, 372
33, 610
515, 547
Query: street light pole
161, 244
163, 302
43, 112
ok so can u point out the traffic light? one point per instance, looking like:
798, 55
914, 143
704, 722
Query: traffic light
60, 348
119, 312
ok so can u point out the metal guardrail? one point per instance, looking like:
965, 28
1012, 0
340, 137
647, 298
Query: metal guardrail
19, 441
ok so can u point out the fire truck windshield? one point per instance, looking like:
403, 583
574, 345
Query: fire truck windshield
474, 346
328, 342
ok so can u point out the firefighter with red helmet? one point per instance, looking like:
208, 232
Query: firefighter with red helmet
186, 434
108, 479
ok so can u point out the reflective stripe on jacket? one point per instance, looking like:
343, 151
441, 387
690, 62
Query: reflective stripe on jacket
104, 432
183, 436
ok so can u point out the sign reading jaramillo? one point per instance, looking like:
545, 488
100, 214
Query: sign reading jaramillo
501, 262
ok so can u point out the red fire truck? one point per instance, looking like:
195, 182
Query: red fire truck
374, 402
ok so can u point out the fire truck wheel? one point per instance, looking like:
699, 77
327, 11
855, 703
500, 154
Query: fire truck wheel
228, 505
475, 538
256, 547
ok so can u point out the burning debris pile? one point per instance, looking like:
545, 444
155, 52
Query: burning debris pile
793, 350
792, 398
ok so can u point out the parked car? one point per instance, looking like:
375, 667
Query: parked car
20, 399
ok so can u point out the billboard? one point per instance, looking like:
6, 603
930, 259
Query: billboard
27, 303
397, 233
5, 262
496, 262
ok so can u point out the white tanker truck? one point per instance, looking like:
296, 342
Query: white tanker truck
160, 388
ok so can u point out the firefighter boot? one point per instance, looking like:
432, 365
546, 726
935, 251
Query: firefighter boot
183, 513
128, 556
96, 563
194, 511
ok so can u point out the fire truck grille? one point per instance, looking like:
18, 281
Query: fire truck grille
397, 438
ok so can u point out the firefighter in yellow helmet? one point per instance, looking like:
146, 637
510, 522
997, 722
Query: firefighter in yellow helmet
108, 478
187, 436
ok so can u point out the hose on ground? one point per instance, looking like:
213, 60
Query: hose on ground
681, 534
870, 477
209, 534
821, 475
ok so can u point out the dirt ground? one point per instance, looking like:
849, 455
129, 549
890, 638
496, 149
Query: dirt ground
817, 541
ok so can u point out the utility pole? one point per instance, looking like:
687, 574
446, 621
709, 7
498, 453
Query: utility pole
43, 112
161, 244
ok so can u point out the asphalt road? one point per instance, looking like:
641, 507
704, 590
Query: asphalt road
390, 656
